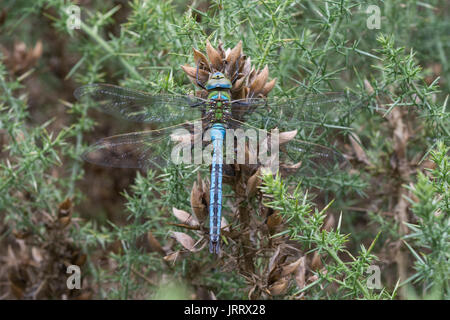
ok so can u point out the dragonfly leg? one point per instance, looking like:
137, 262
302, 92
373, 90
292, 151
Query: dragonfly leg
198, 81
236, 74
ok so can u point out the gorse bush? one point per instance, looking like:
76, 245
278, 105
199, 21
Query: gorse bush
430, 204
321, 237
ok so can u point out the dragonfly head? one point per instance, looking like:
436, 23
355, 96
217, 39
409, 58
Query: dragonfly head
218, 81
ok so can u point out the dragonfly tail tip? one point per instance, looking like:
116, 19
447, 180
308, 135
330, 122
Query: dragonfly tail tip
214, 247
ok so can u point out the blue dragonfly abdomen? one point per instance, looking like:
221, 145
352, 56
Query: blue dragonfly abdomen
215, 206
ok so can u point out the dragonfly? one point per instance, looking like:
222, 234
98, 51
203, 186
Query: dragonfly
309, 115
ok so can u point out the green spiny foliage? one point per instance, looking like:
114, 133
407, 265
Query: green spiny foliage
305, 225
37, 197
431, 206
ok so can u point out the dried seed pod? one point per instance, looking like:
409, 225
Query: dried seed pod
172, 257
154, 243
214, 57
358, 150
291, 267
239, 84
203, 75
273, 221
284, 137
65, 213
246, 67
268, 87
201, 60
300, 273
274, 259
65, 208
253, 183
279, 287
316, 263
290, 167
235, 65
259, 81
200, 199
234, 54
22, 58
221, 50
224, 224
185, 217
184, 239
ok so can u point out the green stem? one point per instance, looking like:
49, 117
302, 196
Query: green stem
94, 35
336, 258
272, 34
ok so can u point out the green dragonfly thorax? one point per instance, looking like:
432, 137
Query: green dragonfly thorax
219, 95
219, 102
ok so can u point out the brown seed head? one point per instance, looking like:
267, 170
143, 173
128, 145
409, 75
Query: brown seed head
235, 65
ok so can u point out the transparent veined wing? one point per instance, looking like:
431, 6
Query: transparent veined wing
285, 153
307, 159
139, 106
146, 149
328, 110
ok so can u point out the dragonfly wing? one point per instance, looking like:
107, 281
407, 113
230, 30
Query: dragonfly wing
301, 158
325, 110
147, 149
139, 106
284, 153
